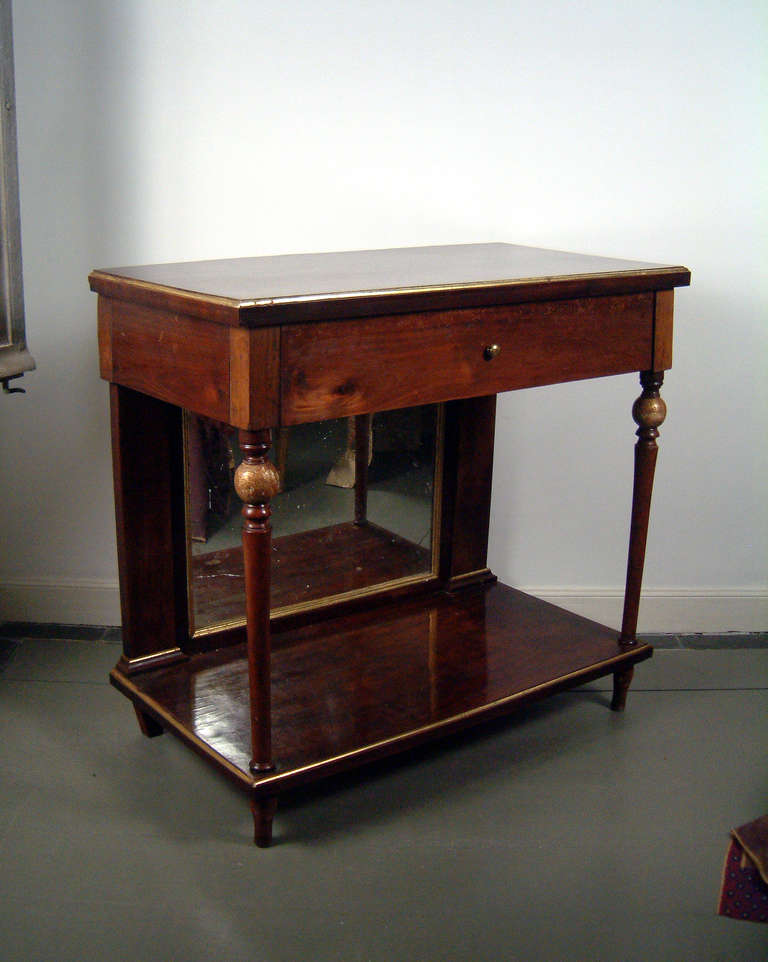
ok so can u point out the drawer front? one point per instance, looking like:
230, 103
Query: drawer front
373, 364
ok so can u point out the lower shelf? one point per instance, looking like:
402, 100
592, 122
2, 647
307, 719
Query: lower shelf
364, 685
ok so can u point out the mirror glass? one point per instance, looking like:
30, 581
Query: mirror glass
356, 512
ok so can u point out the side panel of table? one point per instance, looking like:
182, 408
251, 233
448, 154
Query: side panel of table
229, 374
151, 542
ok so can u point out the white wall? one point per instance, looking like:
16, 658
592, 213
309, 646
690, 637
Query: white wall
156, 130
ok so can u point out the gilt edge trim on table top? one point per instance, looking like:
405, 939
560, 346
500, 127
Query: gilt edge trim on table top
126, 283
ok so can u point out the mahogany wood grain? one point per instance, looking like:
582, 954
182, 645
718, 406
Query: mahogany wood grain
403, 361
391, 677
174, 358
151, 540
662, 330
254, 378
314, 287
104, 309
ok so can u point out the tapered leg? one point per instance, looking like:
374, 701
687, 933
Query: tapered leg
621, 682
263, 813
648, 412
256, 482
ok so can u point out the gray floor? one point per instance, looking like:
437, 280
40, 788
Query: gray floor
569, 833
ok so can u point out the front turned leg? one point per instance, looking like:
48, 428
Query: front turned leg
263, 813
257, 482
648, 411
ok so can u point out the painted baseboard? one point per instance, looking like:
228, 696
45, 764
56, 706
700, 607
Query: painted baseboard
670, 610
675, 610
78, 601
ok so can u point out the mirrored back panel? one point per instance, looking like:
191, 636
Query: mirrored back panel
357, 513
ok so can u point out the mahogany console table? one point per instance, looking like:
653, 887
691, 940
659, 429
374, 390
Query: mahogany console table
261, 343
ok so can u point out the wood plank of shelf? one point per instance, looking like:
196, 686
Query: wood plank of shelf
361, 686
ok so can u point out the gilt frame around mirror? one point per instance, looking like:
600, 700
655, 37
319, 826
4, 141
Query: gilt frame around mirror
15, 359
326, 532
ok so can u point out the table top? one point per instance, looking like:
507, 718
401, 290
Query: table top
259, 290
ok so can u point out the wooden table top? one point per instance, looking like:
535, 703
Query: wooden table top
264, 290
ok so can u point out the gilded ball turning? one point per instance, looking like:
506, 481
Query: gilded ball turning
649, 412
256, 483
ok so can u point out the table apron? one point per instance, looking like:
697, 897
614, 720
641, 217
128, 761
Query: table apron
298, 373
343, 368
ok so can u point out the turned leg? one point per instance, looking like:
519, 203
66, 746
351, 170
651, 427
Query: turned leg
256, 482
263, 813
147, 723
648, 412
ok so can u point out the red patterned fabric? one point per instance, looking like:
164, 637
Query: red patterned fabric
744, 894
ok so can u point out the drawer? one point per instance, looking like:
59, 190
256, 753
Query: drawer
356, 366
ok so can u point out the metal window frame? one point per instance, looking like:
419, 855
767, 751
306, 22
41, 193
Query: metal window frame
15, 359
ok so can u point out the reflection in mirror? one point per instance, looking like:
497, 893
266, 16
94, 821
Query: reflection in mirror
356, 512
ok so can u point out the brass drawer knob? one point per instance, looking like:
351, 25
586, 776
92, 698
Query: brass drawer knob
491, 351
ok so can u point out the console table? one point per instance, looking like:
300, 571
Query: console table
257, 344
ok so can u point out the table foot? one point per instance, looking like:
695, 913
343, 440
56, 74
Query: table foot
147, 724
263, 813
621, 682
